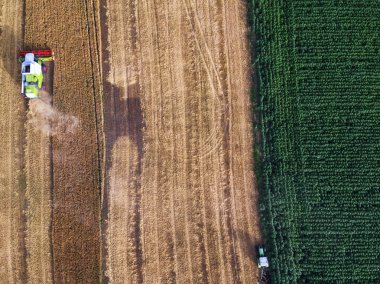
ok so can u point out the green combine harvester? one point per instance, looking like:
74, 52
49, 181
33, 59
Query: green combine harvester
263, 264
33, 71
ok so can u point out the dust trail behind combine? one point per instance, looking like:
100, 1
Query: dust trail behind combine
43, 116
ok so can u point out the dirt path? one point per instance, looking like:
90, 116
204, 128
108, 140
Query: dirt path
12, 181
179, 186
69, 29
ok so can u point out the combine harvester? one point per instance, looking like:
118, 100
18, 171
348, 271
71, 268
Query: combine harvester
263, 265
33, 71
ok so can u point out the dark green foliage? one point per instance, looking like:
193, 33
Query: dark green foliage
318, 65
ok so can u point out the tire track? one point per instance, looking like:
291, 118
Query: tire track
212, 138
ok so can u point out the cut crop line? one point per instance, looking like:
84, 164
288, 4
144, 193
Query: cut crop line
202, 193
153, 15
230, 139
94, 92
10, 181
173, 148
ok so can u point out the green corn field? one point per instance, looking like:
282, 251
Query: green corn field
318, 68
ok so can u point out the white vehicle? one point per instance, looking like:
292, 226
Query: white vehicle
33, 71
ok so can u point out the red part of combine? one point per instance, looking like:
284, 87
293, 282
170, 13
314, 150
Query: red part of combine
38, 53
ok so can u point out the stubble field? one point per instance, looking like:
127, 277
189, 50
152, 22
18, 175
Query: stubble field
149, 178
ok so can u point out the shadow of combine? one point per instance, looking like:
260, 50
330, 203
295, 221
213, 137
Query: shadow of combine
123, 117
249, 246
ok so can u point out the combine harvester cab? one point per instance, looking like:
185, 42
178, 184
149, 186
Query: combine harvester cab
33, 71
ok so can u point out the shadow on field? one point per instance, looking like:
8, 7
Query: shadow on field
123, 117
8, 53
249, 246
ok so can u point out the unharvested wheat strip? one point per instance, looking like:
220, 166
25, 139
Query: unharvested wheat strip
37, 173
10, 206
13, 268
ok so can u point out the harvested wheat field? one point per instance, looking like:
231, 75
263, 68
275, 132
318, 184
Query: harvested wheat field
135, 165
179, 185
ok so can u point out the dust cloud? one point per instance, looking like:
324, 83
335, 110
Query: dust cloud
43, 116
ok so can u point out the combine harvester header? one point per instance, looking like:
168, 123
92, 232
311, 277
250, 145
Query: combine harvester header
43, 55
33, 71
